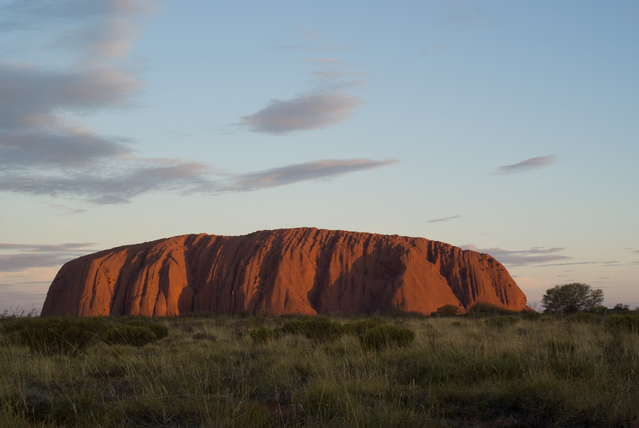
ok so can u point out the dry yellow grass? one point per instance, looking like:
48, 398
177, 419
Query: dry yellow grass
459, 372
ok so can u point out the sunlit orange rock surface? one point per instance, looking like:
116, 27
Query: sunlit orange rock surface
287, 271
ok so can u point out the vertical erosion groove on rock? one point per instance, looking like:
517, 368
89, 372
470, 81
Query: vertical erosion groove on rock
287, 271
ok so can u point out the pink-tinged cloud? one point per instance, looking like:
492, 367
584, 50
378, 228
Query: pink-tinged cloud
42, 152
302, 172
101, 28
527, 165
522, 257
303, 113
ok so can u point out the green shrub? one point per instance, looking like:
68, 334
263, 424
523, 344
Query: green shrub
620, 307
623, 322
135, 331
319, 329
57, 335
71, 335
387, 335
159, 330
396, 312
360, 327
481, 309
128, 334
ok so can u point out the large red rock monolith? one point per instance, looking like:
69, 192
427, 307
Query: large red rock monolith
287, 271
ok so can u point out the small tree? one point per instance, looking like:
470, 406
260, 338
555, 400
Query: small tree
570, 298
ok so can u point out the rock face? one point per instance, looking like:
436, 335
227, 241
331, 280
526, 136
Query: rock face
287, 271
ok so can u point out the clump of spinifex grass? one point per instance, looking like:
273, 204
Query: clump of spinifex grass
216, 370
71, 335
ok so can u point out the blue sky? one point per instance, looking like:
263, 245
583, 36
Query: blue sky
510, 127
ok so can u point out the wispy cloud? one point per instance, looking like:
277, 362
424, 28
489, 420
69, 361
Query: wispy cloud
326, 104
436, 220
20, 262
527, 165
308, 111
46, 247
98, 27
302, 172
522, 257
567, 264
44, 152
27, 256
67, 210
123, 185
324, 61
33, 128
27, 269
112, 184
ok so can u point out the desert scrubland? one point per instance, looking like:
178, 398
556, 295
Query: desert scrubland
211, 370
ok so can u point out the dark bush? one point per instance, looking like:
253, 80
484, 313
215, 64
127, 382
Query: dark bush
136, 331
387, 335
621, 307
129, 334
623, 322
319, 329
481, 309
159, 330
71, 335
360, 327
396, 312
57, 335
